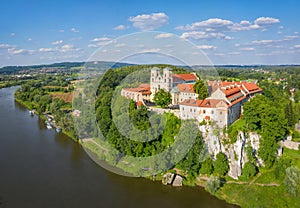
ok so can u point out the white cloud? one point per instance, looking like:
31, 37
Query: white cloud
262, 21
98, 42
151, 50
223, 25
29, 39
62, 49
164, 35
296, 46
260, 42
61, 31
204, 35
14, 51
47, 50
6, 46
57, 42
68, 48
101, 39
247, 49
149, 21
74, 30
210, 23
206, 47
120, 27
270, 42
12, 34
290, 37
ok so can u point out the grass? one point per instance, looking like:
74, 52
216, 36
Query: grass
246, 195
254, 195
294, 155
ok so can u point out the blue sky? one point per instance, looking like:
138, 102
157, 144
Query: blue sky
229, 32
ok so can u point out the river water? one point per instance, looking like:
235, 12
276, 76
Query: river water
41, 168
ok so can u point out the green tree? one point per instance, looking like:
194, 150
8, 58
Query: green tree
249, 170
207, 167
269, 121
162, 98
280, 167
213, 184
140, 118
292, 180
289, 114
221, 166
201, 89
191, 163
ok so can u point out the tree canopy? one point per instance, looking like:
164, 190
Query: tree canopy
201, 89
221, 166
162, 98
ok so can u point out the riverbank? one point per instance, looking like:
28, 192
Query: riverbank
41, 116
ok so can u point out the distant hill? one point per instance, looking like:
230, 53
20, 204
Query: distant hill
105, 65
63, 65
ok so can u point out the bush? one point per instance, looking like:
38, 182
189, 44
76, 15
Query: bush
292, 181
213, 184
207, 167
249, 170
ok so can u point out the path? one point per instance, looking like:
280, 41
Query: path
93, 141
205, 178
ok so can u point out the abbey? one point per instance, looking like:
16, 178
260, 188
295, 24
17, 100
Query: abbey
222, 107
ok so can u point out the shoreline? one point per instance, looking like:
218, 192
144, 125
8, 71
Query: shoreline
44, 119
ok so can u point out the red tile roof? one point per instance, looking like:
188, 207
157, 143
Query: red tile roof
207, 103
142, 88
251, 87
245, 86
231, 91
186, 77
186, 88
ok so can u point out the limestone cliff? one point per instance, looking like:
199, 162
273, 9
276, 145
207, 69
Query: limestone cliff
216, 141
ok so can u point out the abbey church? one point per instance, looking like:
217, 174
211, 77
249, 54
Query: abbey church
222, 107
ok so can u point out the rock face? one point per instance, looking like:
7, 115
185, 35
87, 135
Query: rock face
177, 181
168, 178
236, 153
172, 179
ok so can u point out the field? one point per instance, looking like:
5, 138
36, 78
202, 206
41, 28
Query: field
67, 97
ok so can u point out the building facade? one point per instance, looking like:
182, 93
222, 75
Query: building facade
222, 107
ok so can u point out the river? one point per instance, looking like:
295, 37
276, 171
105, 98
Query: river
41, 168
